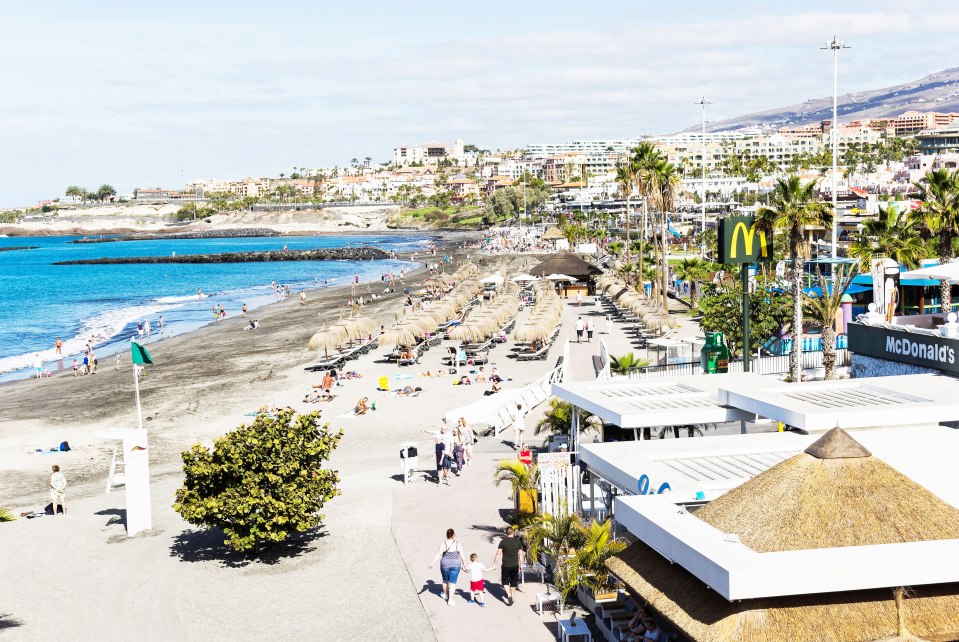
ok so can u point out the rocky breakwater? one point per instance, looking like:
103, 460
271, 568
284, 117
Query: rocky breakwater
18, 247
331, 254
205, 234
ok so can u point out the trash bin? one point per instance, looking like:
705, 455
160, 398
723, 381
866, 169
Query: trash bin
409, 461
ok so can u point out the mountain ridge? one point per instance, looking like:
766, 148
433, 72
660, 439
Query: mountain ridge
937, 91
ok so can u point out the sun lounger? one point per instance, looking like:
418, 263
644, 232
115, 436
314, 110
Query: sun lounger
534, 356
334, 361
480, 359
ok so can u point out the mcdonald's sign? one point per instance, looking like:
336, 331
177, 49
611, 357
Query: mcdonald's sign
740, 241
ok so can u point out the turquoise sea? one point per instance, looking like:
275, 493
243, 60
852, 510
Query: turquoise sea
40, 301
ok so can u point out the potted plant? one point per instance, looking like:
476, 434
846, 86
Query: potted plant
525, 483
595, 583
554, 540
559, 420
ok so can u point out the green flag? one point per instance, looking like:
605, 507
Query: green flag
140, 354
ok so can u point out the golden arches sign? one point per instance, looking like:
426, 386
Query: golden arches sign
740, 241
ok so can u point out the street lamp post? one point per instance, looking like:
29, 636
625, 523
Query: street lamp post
835, 45
702, 242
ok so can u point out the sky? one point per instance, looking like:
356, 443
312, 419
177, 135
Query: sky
158, 94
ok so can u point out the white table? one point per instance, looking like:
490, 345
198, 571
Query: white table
532, 567
568, 630
549, 596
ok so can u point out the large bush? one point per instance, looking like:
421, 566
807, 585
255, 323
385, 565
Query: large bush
261, 482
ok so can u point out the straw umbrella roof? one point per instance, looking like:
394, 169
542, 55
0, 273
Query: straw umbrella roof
564, 262
329, 338
553, 234
399, 335
834, 494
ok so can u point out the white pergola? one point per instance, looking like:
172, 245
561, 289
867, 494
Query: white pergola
634, 404
817, 406
699, 470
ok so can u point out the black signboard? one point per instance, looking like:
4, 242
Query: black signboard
927, 350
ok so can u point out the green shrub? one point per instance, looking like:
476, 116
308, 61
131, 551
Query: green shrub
6, 515
261, 482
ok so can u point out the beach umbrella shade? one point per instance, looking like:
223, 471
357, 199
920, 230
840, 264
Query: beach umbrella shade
331, 338
560, 277
400, 335
494, 279
530, 332
524, 278
468, 332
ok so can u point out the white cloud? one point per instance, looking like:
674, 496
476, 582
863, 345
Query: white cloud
126, 100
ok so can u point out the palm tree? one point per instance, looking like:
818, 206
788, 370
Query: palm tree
559, 418
597, 546
939, 193
626, 363
694, 270
822, 310
559, 537
626, 178
791, 210
75, 192
666, 178
523, 479
645, 157
891, 234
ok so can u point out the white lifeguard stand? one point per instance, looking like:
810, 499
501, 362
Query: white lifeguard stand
136, 475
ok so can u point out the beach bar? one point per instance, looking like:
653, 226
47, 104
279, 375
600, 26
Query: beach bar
815, 532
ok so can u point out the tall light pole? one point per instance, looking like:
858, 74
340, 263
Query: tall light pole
835, 45
702, 240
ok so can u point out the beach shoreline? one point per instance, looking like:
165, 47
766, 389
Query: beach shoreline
201, 375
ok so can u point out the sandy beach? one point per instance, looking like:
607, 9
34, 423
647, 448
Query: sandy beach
175, 583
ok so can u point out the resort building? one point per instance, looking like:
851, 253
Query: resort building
428, 153
940, 141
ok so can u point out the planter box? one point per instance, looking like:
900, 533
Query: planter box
526, 501
589, 600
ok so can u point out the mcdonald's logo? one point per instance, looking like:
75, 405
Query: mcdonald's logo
741, 242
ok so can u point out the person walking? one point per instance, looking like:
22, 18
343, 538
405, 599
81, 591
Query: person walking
579, 299
459, 449
477, 583
450, 557
519, 425
58, 489
580, 326
469, 438
511, 555
38, 366
589, 330
58, 346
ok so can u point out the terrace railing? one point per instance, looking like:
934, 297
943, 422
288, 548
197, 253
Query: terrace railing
761, 365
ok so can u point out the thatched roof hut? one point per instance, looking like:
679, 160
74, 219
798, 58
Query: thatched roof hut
564, 262
553, 234
834, 494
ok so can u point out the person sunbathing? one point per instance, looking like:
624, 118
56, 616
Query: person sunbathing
361, 406
405, 391
496, 387
465, 380
353, 374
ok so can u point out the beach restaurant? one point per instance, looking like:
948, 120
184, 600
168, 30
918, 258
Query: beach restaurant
816, 533
563, 264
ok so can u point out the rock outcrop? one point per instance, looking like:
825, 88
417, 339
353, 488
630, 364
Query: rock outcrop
331, 254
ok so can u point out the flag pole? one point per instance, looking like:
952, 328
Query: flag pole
136, 388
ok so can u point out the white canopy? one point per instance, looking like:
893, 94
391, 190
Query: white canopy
559, 277
944, 271
523, 278
495, 279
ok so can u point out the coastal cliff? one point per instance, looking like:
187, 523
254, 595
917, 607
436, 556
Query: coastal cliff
332, 254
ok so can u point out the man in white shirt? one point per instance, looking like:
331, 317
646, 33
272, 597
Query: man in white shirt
580, 326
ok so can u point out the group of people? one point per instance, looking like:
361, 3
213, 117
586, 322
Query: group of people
453, 448
510, 555
584, 327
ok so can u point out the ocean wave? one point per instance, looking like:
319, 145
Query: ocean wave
102, 328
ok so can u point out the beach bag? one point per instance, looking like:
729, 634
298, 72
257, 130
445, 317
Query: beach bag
64, 447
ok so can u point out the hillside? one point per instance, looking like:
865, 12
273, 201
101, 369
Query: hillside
935, 92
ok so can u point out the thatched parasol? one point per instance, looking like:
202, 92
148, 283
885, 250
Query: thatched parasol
835, 494
553, 234
530, 332
400, 335
470, 332
329, 338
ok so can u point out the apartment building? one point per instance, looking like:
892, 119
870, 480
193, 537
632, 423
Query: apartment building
940, 141
429, 153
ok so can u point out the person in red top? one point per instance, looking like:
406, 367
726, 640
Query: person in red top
525, 455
